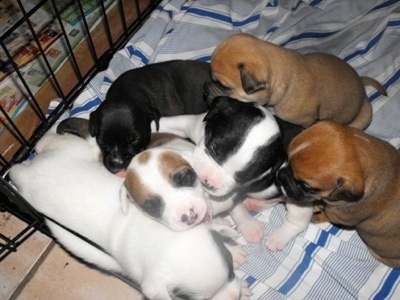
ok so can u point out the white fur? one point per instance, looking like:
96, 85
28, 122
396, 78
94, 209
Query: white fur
67, 183
221, 178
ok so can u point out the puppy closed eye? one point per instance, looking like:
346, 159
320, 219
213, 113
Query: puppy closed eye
307, 188
133, 140
222, 87
184, 178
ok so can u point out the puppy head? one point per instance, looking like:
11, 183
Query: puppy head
164, 185
121, 131
241, 142
323, 165
239, 70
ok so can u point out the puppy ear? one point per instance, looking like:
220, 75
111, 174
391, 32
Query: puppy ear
75, 126
155, 115
347, 190
93, 123
250, 84
124, 199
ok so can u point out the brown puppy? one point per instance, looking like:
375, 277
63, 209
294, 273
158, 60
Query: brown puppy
298, 88
356, 179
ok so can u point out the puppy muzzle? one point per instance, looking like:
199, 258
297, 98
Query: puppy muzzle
190, 217
290, 187
114, 162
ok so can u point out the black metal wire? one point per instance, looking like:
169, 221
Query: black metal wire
10, 199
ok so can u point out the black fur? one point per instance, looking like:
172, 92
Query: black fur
121, 124
294, 189
227, 124
154, 207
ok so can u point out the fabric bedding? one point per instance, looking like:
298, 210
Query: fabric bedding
324, 262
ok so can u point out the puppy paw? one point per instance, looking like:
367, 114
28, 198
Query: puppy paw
222, 221
252, 230
319, 215
238, 254
246, 292
278, 239
258, 205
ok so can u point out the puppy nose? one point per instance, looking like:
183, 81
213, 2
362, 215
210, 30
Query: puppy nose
281, 177
116, 159
190, 217
207, 185
118, 163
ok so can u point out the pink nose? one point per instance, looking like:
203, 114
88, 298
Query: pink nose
207, 185
190, 217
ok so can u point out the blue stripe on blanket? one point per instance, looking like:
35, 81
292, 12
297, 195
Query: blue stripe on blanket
367, 48
139, 54
391, 80
221, 17
386, 4
89, 105
309, 35
306, 262
387, 287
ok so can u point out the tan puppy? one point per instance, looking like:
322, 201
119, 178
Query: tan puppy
355, 176
298, 88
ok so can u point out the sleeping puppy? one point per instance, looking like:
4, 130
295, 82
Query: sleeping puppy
354, 177
298, 88
161, 181
238, 152
85, 198
121, 124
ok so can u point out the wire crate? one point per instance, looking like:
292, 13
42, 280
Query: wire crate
50, 49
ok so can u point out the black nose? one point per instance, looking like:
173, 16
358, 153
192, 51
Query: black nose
281, 177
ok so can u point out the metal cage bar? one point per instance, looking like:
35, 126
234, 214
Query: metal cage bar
10, 200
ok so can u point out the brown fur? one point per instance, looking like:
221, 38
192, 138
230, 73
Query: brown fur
358, 178
171, 163
136, 188
144, 157
161, 138
299, 88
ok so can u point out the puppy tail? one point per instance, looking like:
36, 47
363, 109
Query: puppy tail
374, 83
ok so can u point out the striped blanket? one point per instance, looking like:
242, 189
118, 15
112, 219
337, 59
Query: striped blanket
324, 262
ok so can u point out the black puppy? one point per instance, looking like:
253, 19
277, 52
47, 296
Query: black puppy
121, 124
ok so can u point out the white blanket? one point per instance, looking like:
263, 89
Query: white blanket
324, 262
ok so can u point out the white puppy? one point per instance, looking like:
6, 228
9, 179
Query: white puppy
238, 153
68, 184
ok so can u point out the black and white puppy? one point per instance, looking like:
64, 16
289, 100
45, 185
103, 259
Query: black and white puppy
121, 124
239, 151
85, 198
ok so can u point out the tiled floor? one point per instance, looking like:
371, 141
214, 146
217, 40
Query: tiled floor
40, 269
